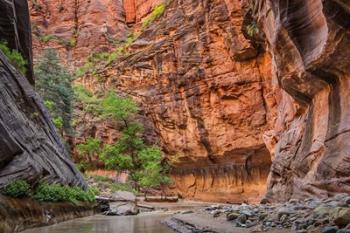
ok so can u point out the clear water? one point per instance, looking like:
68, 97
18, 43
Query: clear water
145, 223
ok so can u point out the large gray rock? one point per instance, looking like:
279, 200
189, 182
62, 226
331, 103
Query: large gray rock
30, 147
124, 196
122, 209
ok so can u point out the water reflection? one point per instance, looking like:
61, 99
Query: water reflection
148, 223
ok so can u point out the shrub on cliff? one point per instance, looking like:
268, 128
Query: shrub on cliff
14, 56
89, 102
155, 14
17, 189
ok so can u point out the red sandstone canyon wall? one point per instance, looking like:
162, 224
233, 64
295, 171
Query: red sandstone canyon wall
310, 42
76, 28
208, 92
230, 87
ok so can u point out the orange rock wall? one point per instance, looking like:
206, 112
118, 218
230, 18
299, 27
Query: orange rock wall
130, 11
225, 104
209, 95
76, 28
309, 41
143, 7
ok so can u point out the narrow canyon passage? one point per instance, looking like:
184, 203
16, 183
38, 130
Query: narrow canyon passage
220, 116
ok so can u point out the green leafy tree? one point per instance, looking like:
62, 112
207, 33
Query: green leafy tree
53, 83
119, 108
89, 102
130, 152
153, 173
88, 150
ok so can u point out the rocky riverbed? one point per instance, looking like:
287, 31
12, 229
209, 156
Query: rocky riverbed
298, 216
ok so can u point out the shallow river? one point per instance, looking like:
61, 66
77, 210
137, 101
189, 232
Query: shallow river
145, 223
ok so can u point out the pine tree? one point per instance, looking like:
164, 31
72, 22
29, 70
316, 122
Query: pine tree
53, 83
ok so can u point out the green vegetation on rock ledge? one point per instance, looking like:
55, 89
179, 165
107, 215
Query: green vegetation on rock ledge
48, 192
155, 14
60, 193
107, 184
14, 56
17, 189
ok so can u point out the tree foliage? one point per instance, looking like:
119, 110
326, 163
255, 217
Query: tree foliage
53, 83
118, 108
90, 103
130, 152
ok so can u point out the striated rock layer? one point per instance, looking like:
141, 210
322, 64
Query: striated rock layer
310, 42
207, 90
30, 147
230, 86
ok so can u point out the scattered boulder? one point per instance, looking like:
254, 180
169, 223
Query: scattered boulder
124, 196
341, 217
310, 215
330, 229
122, 209
232, 216
242, 218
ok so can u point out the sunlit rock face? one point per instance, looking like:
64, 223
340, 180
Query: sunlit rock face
208, 92
77, 29
225, 103
30, 147
310, 42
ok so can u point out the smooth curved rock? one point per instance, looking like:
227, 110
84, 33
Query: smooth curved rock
309, 41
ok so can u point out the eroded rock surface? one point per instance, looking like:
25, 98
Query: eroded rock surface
229, 86
208, 92
77, 29
30, 147
309, 41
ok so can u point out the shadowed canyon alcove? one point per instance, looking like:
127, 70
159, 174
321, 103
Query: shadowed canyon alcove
240, 177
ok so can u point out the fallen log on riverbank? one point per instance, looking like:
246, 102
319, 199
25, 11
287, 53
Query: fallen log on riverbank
161, 199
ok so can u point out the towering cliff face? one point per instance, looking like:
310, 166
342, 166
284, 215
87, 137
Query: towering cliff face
230, 86
309, 41
207, 90
30, 147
